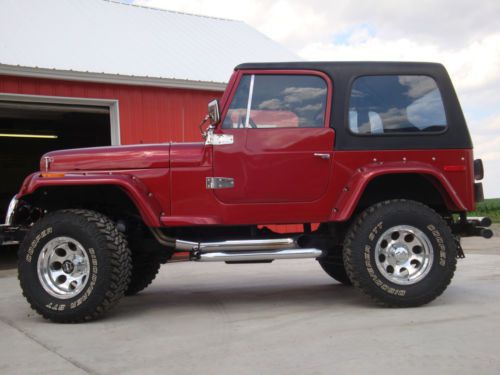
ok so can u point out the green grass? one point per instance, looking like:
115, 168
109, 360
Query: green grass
490, 208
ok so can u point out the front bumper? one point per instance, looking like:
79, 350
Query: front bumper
9, 217
9, 234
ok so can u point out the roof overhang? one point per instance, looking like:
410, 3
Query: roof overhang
71, 75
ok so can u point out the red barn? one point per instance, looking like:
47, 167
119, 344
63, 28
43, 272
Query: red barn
89, 73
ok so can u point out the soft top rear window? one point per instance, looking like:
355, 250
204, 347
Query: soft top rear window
389, 104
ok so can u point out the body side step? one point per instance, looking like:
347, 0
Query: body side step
244, 250
242, 256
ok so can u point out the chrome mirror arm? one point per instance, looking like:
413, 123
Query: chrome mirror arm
203, 132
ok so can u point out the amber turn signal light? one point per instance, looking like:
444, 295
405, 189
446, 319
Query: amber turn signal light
52, 175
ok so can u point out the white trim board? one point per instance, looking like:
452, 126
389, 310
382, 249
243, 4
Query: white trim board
71, 75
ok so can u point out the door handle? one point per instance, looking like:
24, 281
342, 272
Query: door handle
322, 155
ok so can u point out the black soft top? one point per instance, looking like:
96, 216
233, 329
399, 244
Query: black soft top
343, 74
330, 66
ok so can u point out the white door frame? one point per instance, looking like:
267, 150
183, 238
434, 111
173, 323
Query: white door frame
112, 104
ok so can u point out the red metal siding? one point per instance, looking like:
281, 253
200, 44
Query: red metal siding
147, 114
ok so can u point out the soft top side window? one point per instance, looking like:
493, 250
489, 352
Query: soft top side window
389, 104
278, 101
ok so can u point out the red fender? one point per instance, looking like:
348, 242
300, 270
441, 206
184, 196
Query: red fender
348, 200
148, 207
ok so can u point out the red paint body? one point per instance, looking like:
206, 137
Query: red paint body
278, 179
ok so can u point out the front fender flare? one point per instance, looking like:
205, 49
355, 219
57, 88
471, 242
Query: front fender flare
149, 209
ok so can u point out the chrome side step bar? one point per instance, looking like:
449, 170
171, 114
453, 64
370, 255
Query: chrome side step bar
235, 245
252, 256
247, 245
250, 250
232, 245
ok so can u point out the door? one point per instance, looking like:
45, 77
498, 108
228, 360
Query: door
282, 144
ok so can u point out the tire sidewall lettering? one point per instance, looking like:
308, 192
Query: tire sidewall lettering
40, 236
373, 235
373, 274
34, 251
360, 253
376, 229
108, 265
92, 282
441, 244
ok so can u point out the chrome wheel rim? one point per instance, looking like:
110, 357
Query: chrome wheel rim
63, 267
404, 255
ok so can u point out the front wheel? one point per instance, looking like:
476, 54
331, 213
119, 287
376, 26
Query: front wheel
74, 265
400, 253
145, 267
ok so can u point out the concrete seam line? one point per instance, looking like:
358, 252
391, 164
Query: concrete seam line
47, 347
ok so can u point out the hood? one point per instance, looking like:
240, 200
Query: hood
108, 158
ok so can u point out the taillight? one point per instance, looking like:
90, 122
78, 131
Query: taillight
478, 169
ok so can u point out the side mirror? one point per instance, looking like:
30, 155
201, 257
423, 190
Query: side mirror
214, 112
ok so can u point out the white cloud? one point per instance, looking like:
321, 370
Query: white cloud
482, 135
301, 21
464, 35
472, 66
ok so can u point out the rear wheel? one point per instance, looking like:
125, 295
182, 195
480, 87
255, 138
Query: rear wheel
400, 253
74, 265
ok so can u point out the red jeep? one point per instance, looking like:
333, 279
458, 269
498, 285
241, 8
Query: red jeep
373, 160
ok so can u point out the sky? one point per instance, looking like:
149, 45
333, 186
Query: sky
463, 35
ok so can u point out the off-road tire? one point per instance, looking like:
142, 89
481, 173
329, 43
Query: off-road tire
145, 267
333, 265
360, 247
108, 272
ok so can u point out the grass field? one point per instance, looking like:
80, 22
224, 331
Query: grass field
490, 208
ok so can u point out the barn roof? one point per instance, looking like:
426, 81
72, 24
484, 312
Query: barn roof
100, 40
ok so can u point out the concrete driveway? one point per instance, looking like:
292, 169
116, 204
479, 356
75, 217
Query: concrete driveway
287, 317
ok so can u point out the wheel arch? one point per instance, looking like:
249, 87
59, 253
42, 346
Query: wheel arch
112, 196
368, 187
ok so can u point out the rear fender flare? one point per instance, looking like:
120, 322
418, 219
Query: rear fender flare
351, 194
